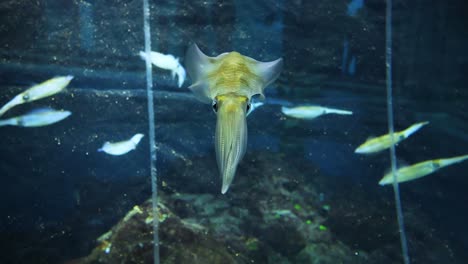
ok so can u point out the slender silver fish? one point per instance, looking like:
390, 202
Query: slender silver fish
39, 91
37, 118
312, 111
228, 82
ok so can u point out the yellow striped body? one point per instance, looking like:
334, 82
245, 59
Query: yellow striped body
233, 73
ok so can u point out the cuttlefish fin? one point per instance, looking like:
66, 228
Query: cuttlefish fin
268, 72
198, 65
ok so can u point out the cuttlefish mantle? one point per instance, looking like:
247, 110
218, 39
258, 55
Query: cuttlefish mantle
229, 81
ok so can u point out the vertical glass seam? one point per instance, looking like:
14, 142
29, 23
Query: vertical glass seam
151, 125
396, 189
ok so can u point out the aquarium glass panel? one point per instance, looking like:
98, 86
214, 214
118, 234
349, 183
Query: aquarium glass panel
271, 131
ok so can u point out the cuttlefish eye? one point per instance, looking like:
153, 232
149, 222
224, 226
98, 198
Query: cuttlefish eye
215, 106
20, 121
249, 106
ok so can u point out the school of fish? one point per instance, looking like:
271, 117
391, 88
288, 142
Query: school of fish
228, 82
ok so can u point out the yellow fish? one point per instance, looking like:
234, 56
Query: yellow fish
39, 91
228, 82
377, 144
421, 169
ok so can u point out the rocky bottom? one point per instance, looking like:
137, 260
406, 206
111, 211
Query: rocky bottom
277, 215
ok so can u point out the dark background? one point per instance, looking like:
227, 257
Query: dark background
58, 194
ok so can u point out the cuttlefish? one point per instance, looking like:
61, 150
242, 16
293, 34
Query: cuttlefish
228, 81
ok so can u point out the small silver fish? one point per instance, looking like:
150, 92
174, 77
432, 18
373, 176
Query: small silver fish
122, 147
37, 118
167, 62
39, 91
311, 111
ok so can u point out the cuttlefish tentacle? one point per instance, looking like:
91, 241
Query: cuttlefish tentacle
229, 81
231, 135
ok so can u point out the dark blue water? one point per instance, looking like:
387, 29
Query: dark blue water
59, 194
